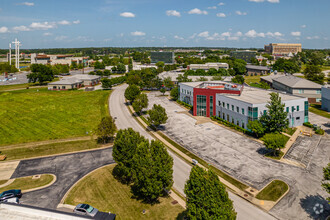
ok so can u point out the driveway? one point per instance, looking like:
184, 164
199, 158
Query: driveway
321, 121
68, 170
238, 155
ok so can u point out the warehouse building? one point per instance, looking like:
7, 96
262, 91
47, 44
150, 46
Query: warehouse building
254, 70
75, 82
208, 66
237, 103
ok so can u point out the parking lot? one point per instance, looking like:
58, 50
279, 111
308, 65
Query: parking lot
238, 155
17, 78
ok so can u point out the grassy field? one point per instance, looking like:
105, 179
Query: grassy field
102, 191
252, 79
3, 181
316, 109
47, 149
273, 191
32, 115
17, 86
26, 183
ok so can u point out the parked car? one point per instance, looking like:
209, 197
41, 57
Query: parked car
10, 194
85, 209
12, 200
194, 162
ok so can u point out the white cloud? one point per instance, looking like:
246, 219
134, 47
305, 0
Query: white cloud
239, 34
313, 38
296, 33
275, 34
138, 33
76, 22
271, 1
197, 11
193, 36
3, 30
127, 15
226, 34
26, 3
221, 4
47, 34
221, 15
60, 38
303, 26
203, 34
212, 7
85, 39
178, 37
64, 22
42, 25
21, 28
253, 34
173, 13
241, 13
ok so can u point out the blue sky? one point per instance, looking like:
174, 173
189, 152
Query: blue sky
132, 23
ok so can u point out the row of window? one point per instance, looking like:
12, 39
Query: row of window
232, 107
238, 122
187, 92
292, 109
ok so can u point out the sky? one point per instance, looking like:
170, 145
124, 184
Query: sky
164, 23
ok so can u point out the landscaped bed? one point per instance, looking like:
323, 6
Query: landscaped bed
29, 182
101, 190
273, 191
38, 114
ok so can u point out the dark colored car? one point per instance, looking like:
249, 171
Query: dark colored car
10, 194
85, 209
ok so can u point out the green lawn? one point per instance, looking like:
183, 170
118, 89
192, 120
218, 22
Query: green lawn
17, 86
102, 191
290, 131
47, 149
273, 191
316, 109
26, 183
32, 115
252, 79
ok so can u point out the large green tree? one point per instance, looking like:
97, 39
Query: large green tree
314, 73
106, 129
274, 142
157, 115
275, 119
140, 102
238, 79
153, 171
257, 128
207, 197
175, 93
124, 149
40, 73
288, 66
326, 180
132, 92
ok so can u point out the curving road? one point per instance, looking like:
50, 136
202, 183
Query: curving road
181, 169
68, 170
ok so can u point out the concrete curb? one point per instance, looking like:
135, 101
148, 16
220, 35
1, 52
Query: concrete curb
42, 187
10, 181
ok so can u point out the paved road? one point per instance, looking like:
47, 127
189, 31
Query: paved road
68, 170
181, 169
320, 121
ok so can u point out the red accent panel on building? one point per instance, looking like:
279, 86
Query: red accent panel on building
208, 93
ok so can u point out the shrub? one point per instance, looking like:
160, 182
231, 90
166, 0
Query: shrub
231, 125
319, 131
308, 124
274, 141
184, 104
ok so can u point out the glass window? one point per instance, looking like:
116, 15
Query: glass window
201, 105
237, 109
292, 109
306, 112
242, 111
223, 116
237, 123
297, 107
223, 104
318, 91
227, 106
211, 105
232, 107
243, 125
232, 120
219, 103
253, 113
265, 112
227, 117
287, 109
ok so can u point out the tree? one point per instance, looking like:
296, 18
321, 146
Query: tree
40, 73
239, 67
168, 82
99, 65
121, 68
264, 62
124, 149
326, 179
238, 79
106, 83
284, 65
106, 129
160, 64
216, 78
175, 93
207, 197
314, 73
73, 65
153, 170
133, 79
132, 92
183, 78
106, 72
140, 102
275, 119
162, 90
275, 142
157, 115
257, 128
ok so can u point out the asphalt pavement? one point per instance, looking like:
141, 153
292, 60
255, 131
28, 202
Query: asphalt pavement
68, 170
181, 169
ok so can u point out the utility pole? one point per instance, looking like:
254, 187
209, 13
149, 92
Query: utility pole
10, 54
17, 44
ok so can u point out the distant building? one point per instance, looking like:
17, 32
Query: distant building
282, 49
166, 57
208, 66
245, 55
75, 82
295, 86
57, 59
143, 66
326, 98
253, 70
238, 104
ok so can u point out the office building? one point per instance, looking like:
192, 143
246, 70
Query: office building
326, 98
166, 57
245, 55
282, 49
208, 66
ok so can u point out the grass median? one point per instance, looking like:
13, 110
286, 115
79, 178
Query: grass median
38, 114
273, 191
48, 149
316, 109
25, 183
102, 191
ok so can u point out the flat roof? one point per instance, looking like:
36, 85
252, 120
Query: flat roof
297, 82
255, 67
259, 96
270, 78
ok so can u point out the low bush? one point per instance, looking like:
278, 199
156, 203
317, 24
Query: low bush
319, 131
184, 104
308, 124
231, 125
275, 142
